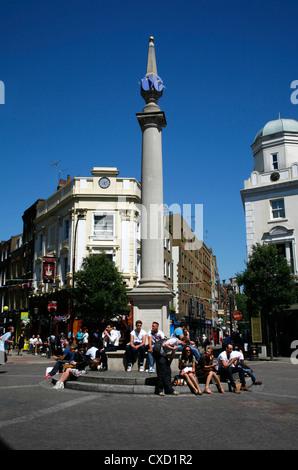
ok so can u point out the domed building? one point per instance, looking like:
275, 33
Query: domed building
270, 195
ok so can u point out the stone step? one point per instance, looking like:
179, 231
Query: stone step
130, 383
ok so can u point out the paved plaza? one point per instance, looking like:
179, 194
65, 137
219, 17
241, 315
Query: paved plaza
34, 416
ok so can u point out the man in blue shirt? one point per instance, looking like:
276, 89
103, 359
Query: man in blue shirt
6, 340
68, 355
179, 333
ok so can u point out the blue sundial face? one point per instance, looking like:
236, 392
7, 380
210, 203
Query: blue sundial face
147, 83
158, 83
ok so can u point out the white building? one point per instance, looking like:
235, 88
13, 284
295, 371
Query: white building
95, 214
270, 195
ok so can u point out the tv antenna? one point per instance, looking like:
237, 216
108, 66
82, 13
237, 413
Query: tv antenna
56, 173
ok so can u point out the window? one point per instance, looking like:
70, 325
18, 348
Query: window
108, 253
274, 161
66, 229
278, 208
64, 269
103, 226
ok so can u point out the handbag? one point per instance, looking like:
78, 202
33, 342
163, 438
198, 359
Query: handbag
178, 380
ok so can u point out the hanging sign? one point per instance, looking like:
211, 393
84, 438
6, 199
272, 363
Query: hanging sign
48, 269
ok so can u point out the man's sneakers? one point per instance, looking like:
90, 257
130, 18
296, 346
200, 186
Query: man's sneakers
141, 368
151, 370
59, 385
48, 376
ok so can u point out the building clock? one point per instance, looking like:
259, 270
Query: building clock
275, 176
104, 182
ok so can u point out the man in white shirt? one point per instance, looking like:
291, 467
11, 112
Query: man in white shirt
5, 340
32, 342
136, 346
153, 335
228, 364
111, 344
91, 352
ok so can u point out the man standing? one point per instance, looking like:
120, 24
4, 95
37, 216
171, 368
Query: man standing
111, 344
228, 365
153, 335
6, 340
136, 346
163, 364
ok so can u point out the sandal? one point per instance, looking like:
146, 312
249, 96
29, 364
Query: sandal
207, 390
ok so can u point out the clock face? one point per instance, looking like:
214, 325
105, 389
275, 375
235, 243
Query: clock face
274, 176
147, 83
158, 83
104, 182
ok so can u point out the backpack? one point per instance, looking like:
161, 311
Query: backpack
157, 348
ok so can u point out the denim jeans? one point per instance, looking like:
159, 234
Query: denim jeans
58, 366
150, 359
249, 372
130, 354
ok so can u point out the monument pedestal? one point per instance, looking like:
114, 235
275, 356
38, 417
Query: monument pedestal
152, 303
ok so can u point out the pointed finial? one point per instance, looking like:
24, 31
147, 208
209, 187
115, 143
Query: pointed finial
151, 63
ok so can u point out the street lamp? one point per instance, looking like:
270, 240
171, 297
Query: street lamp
80, 216
230, 291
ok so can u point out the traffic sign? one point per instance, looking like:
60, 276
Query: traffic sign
237, 315
52, 305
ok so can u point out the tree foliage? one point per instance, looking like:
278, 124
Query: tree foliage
99, 291
267, 281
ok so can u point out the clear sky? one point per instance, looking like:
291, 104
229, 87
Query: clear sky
71, 70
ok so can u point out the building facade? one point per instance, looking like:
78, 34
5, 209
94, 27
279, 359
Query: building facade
195, 281
270, 200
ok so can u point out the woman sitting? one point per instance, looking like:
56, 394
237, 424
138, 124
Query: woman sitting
205, 369
187, 369
75, 368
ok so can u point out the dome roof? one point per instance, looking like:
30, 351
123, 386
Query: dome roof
279, 125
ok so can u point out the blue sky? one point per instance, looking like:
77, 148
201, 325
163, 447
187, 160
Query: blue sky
71, 70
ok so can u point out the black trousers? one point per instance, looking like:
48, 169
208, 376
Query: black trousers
163, 370
104, 359
228, 374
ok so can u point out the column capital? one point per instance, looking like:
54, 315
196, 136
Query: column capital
152, 119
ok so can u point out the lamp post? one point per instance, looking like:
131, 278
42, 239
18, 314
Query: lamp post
80, 216
230, 291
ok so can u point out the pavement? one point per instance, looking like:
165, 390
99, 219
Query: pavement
36, 417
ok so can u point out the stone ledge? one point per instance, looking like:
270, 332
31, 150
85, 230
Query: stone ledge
117, 361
